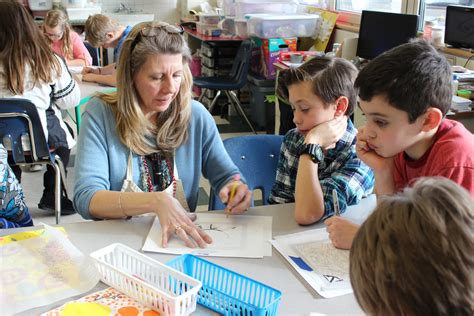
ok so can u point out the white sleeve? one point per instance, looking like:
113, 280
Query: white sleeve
66, 93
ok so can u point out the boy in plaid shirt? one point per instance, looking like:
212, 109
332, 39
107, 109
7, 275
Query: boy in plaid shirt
319, 155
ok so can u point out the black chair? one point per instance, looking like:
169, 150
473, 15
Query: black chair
21, 133
256, 156
236, 80
94, 51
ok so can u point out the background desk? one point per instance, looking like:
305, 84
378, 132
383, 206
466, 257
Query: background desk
297, 299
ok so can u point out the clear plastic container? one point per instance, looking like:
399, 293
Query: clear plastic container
208, 29
271, 26
241, 28
243, 8
147, 281
208, 18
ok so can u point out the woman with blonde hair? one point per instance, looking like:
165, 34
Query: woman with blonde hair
64, 41
139, 144
30, 70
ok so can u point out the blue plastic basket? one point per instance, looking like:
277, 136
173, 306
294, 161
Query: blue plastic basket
227, 292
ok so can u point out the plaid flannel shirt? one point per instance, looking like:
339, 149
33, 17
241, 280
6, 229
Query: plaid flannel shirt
340, 170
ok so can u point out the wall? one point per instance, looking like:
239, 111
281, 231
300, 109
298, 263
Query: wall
164, 10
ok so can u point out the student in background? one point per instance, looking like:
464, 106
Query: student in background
102, 31
30, 70
64, 41
140, 143
319, 155
413, 255
405, 94
13, 209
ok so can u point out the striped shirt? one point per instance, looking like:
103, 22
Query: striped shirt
340, 170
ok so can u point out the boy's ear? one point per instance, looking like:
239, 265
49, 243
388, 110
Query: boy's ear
432, 119
341, 106
110, 35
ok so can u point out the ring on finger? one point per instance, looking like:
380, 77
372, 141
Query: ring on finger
177, 227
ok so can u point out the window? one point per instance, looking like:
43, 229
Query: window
429, 10
394, 6
435, 10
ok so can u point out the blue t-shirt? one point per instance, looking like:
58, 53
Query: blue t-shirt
118, 48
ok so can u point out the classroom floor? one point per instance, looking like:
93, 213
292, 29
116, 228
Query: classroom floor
32, 182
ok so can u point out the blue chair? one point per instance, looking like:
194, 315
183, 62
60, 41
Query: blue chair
236, 80
21, 133
256, 156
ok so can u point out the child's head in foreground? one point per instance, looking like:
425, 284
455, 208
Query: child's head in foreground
414, 254
319, 90
405, 94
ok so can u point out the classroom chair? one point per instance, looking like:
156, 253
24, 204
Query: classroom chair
256, 156
21, 133
236, 80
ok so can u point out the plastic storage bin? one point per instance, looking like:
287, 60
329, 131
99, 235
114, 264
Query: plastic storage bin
227, 292
148, 281
208, 18
269, 26
208, 29
246, 7
261, 112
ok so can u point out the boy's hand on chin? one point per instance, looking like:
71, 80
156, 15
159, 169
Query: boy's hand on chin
369, 156
328, 133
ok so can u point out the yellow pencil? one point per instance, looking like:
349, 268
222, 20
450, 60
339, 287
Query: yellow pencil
232, 193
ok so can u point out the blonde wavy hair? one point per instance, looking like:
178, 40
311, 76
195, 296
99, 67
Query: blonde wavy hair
22, 46
59, 18
134, 129
414, 254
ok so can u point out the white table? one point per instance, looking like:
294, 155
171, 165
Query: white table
297, 297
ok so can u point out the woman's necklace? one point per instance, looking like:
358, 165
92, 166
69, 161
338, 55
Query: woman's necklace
146, 175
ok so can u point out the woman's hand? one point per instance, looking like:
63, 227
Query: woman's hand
241, 199
175, 220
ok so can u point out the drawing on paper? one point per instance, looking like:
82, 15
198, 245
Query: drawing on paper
211, 228
239, 236
326, 260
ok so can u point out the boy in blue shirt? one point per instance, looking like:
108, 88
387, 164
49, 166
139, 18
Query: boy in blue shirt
319, 155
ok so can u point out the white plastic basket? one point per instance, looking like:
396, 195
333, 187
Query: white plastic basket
150, 282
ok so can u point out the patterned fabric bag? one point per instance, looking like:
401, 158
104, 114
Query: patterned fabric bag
13, 209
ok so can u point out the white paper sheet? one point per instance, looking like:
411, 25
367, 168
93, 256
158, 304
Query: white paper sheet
42, 270
240, 236
312, 255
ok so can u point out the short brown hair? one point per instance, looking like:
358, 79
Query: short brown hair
331, 78
414, 254
97, 26
412, 77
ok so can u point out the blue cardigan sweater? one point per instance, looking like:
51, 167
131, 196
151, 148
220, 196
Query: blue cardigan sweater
101, 161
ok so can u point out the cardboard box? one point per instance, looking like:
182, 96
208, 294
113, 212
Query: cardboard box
266, 53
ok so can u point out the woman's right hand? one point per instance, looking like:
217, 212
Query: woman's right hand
175, 220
